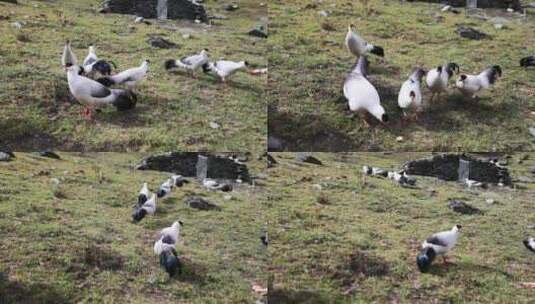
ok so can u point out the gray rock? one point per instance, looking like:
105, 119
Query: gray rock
463, 208
307, 158
471, 33
275, 144
159, 42
201, 204
49, 154
6, 156
231, 7
532, 131
258, 31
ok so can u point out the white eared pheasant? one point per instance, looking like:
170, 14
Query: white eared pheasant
437, 79
129, 77
360, 47
224, 68
438, 244
190, 63
469, 85
410, 94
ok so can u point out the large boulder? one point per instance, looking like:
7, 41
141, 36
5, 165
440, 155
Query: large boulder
176, 9
514, 4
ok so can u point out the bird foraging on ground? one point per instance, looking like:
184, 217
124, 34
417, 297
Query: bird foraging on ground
224, 68
264, 238
129, 77
68, 58
143, 195
437, 79
437, 244
165, 247
362, 95
527, 61
530, 244
190, 63
92, 64
360, 47
410, 94
93, 94
149, 207
165, 188
91, 56
469, 85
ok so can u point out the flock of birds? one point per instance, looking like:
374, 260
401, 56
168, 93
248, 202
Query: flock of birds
90, 82
439, 243
364, 99
165, 245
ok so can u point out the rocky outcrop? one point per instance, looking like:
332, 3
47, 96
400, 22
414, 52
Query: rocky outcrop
199, 165
514, 4
176, 9
449, 167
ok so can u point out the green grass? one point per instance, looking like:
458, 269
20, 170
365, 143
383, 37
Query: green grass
76, 243
358, 244
308, 65
174, 110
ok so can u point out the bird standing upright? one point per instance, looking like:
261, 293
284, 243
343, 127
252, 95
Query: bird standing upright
68, 58
410, 94
437, 79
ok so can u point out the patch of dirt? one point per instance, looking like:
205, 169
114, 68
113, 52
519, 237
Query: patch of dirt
360, 265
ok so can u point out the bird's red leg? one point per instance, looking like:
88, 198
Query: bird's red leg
445, 260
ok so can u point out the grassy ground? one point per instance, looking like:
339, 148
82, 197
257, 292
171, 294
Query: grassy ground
308, 64
337, 237
174, 111
76, 243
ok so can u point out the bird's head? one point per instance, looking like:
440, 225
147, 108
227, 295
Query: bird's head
161, 193
351, 27
460, 81
178, 224
418, 73
457, 228
139, 214
206, 68
452, 67
425, 258
91, 48
146, 62
169, 262
246, 63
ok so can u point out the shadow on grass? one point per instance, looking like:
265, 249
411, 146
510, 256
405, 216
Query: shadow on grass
441, 270
20, 293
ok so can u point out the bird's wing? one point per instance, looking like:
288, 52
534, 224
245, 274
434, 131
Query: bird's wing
190, 60
95, 89
437, 239
168, 239
89, 60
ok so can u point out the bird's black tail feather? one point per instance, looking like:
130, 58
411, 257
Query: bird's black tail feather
106, 81
206, 68
425, 259
125, 101
170, 262
170, 63
527, 61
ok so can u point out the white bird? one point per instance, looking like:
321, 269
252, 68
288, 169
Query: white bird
143, 195
367, 170
224, 68
149, 207
438, 244
361, 94
91, 57
68, 58
93, 94
437, 79
469, 85
165, 188
190, 63
473, 183
129, 77
530, 244
168, 238
410, 94
360, 47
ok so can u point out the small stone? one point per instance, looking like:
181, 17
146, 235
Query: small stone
317, 187
490, 201
399, 138
54, 181
498, 26
446, 8
231, 7
227, 197
462, 207
324, 13
6, 156
139, 20
532, 131
214, 125
510, 10
186, 36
